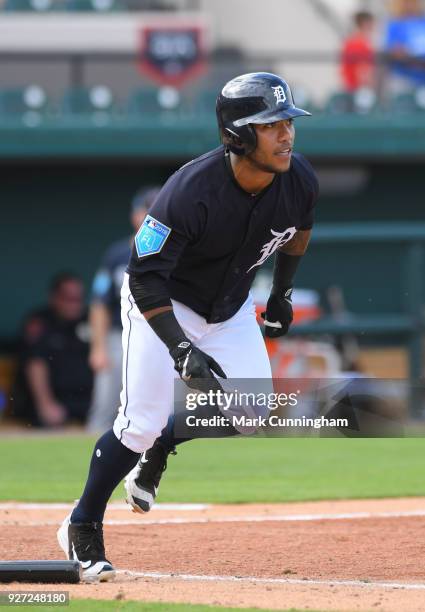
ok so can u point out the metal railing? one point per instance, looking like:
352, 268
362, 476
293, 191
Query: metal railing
80, 63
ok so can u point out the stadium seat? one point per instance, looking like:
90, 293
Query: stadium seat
164, 102
365, 101
29, 5
29, 104
420, 98
98, 6
204, 101
403, 103
96, 102
362, 102
408, 102
302, 98
340, 103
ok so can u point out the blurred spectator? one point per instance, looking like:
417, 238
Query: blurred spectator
358, 54
405, 44
54, 382
105, 320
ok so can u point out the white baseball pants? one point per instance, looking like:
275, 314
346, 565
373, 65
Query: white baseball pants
146, 399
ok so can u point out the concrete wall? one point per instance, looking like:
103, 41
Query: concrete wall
267, 32
278, 28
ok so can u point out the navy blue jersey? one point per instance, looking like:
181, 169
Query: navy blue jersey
207, 237
107, 283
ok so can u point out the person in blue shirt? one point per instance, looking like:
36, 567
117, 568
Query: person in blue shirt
405, 44
105, 319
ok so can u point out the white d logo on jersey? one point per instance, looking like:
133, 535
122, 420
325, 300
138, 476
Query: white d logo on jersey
279, 94
270, 247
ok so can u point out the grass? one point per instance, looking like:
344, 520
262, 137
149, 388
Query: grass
91, 605
54, 468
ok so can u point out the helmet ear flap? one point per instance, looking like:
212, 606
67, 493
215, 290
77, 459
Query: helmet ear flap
233, 141
242, 142
250, 138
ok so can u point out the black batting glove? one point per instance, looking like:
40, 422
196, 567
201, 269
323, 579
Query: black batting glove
278, 316
196, 367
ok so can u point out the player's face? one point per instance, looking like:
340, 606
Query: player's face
274, 146
68, 300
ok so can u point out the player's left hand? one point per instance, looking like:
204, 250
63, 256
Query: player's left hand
278, 315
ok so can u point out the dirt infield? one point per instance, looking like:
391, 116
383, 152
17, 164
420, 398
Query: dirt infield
347, 555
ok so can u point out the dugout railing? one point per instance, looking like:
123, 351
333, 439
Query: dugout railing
409, 324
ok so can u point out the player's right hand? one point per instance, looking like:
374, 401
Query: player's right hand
192, 364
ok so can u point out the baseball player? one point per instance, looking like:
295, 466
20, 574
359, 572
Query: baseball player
186, 303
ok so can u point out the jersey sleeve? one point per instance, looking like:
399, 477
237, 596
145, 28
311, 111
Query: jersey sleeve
309, 194
33, 329
101, 290
176, 220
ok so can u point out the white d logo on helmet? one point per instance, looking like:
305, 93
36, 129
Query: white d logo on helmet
279, 94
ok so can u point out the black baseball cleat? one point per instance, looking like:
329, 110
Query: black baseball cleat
83, 542
142, 483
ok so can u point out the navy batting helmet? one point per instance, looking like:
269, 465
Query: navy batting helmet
258, 97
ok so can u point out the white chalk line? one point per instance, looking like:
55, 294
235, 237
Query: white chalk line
113, 506
235, 519
292, 581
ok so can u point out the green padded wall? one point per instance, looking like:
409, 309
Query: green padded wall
63, 216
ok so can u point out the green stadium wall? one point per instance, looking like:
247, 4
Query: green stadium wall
58, 216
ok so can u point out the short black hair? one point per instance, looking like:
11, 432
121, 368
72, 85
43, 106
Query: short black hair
61, 278
362, 17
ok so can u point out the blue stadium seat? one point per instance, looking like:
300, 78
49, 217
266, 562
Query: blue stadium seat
29, 104
95, 102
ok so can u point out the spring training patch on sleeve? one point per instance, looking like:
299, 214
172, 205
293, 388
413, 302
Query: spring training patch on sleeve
151, 237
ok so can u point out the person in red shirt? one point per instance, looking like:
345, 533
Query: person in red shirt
358, 54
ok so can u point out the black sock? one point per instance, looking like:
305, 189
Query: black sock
110, 463
167, 437
177, 422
